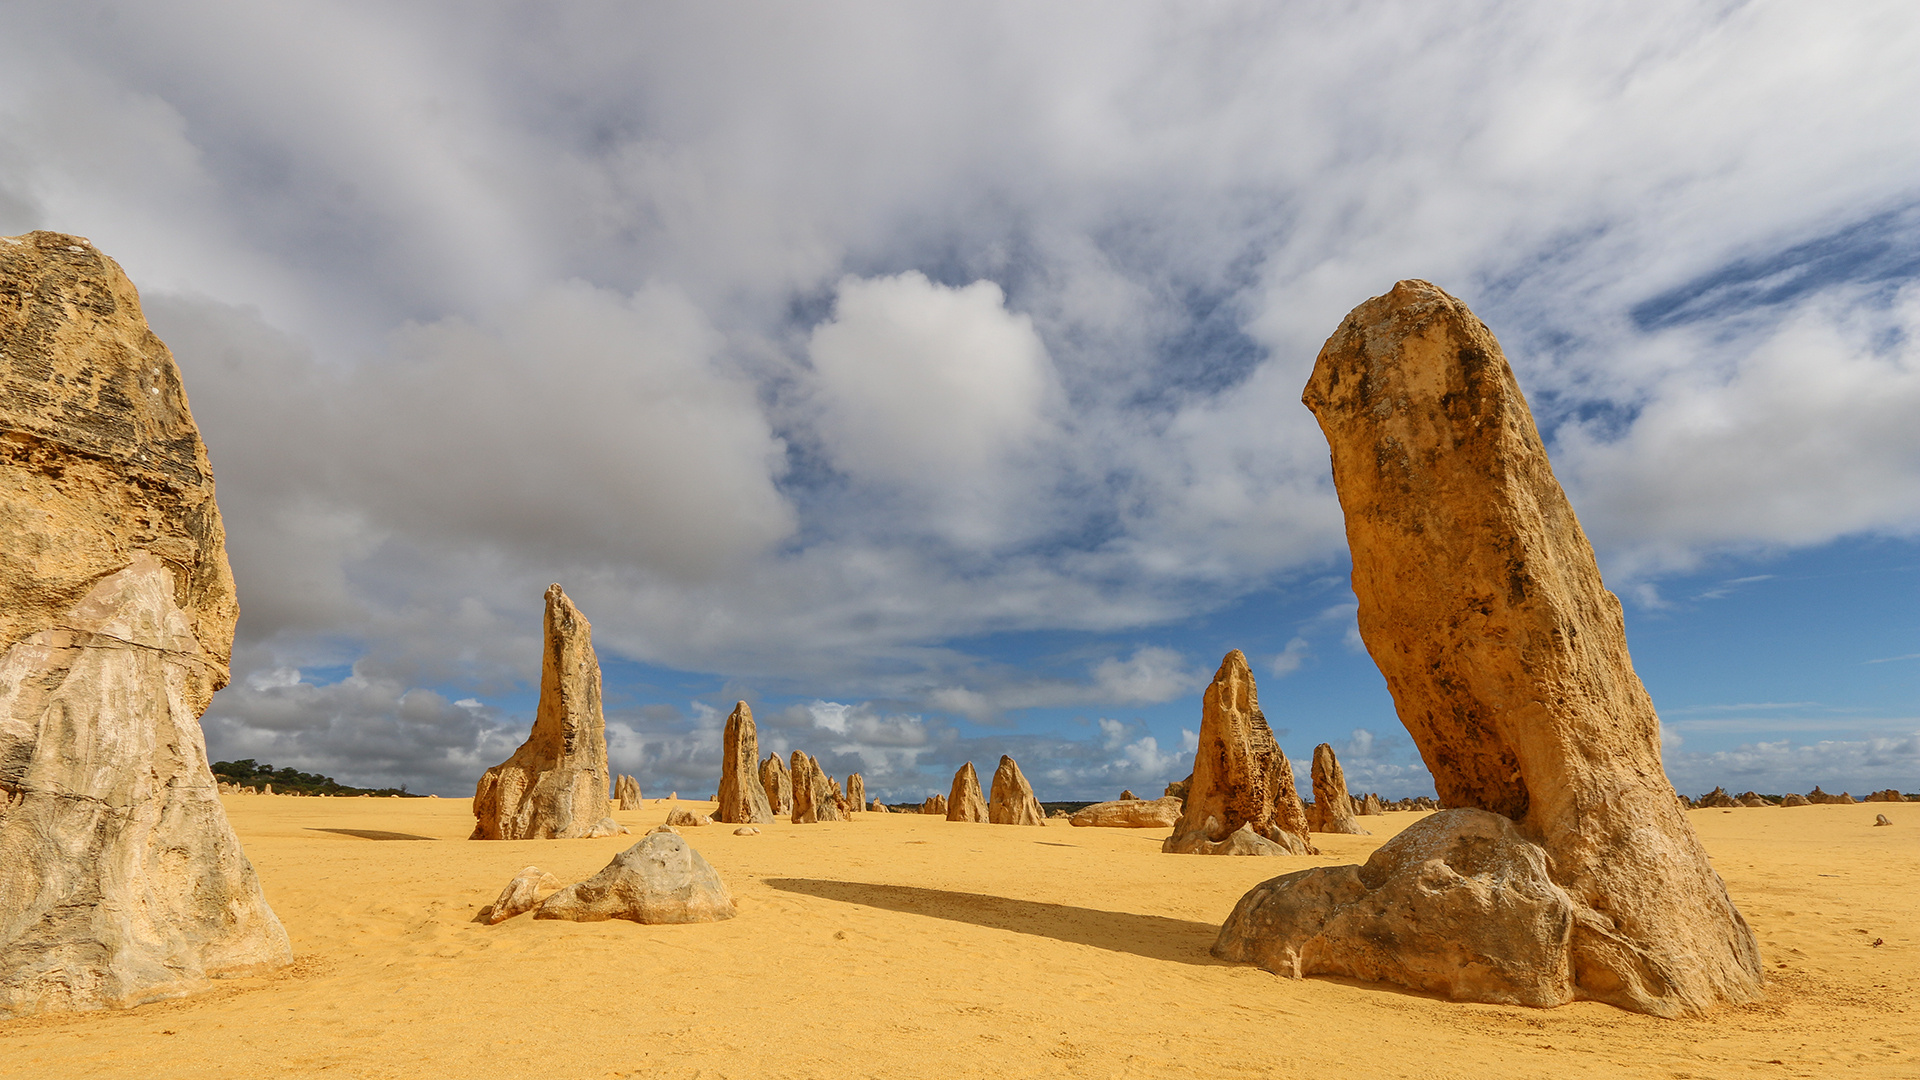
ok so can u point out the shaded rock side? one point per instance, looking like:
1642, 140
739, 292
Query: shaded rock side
856, 791
1458, 904
521, 894
829, 802
1794, 800
1716, 799
1012, 801
661, 879
1886, 795
1332, 806
121, 880
1159, 813
626, 792
777, 783
1482, 605
554, 787
742, 799
815, 795
1240, 777
1370, 806
964, 801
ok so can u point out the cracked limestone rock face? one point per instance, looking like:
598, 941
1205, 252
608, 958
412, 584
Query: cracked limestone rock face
1332, 806
742, 799
778, 785
1482, 605
1159, 813
661, 879
1240, 777
121, 881
555, 786
964, 801
1012, 801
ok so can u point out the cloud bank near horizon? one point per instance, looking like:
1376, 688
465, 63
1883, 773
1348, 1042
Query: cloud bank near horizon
813, 349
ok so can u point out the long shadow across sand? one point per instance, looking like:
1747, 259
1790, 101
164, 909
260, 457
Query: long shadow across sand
1153, 936
373, 834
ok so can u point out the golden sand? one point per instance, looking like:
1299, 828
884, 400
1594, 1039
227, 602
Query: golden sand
898, 945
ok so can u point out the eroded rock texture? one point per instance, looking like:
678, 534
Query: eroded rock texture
742, 799
520, 894
777, 783
121, 881
1332, 806
1129, 814
964, 801
1507, 658
626, 792
661, 879
856, 791
555, 786
1012, 801
935, 805
1240, 777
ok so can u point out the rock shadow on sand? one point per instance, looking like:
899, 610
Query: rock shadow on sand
1155, 937
373, 834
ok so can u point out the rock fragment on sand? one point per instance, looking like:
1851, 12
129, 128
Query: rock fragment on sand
1881, 819
661, 879
742, 799
121, 881
1482, 604
965, 802
746, 830
778, 784
521, 894
554, 787
607, 826
1332, 810
1159, 813
1012, 801
1240, 777
685, 818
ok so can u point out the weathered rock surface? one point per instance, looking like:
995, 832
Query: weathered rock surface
1791, 799
1370, 806
778, 784
1127, 794
856, 791
626, 792
607, 826
935, 804
1881, 819
1012, 801
746, 830
521, 894
742, 799
1716, 799
878, 807
661, 879
1752, 799
555, 786
1178, 788
1129, 814
1332, 810
684, 818
1482, 604
1458, 904
1240, 777
813, 792
1888, 795
121, 881
829, 802
964, 802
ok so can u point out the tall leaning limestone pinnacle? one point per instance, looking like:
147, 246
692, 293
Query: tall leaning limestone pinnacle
555, 786
743, 801
1578, 875
121, 881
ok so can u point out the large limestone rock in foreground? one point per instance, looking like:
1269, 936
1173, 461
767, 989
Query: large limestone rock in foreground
964, 801
121, 881
1129, 814
778, 785
555, 786
661, 879
1507, 657
1013, 802
1332, 805
1241, 780
742, 799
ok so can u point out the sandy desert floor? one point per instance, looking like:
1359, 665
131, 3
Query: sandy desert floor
906, 946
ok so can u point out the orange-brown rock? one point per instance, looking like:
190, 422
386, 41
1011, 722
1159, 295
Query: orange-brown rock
1791, 799
778, 784
121, 881
626, 792
1370, 806
1240, 777
856, 791
1888, 795
1012, 801
936, 805
1126, 794
1882, 819
1716, 799
743, 801
1482, 605
684, 818
964, 802
555, 786
1332, 810
521, 894
1159, 813
813, 792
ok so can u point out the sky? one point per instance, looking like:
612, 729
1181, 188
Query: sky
928, 375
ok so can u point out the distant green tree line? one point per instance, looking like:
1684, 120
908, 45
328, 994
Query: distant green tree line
249, 773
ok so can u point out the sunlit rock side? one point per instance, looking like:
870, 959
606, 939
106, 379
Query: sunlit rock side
1241, 798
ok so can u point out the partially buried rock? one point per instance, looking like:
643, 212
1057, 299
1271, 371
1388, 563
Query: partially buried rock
746, 830
555, 786
1881, 819
1482, 605
121, 881
1240, 778
965, 803
1332, 806
521, 894
687, 818
1128, 814
661, 879
778, 784
742, 799
1013, 802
